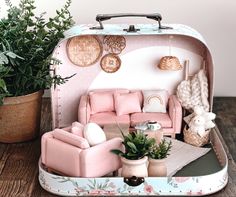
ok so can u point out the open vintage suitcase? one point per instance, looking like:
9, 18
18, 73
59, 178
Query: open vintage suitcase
138, 57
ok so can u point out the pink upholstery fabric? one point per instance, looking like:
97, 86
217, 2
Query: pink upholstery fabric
84, 110
175, 113
171, 121
70, 138
77, 129
162, 118
44, 138
101, 102
127, 103
62, 157
119, 90
98, 160
140, 96
109, 118
73, 161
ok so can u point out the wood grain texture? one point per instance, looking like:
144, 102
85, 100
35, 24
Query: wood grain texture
19, 162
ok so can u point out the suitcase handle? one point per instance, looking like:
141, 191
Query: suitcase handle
103, 17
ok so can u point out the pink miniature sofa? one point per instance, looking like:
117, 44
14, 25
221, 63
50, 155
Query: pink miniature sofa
69, 154
102, 107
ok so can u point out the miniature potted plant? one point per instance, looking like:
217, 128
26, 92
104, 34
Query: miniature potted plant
134, 158
157, 155
33, 39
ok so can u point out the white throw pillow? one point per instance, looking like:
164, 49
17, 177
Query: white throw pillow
94, 134
155, 100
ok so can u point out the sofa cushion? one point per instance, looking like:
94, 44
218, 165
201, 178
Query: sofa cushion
77, 129
155, 100
140, 96
127, 103
101, 102
105, 118
70, 138
161, 118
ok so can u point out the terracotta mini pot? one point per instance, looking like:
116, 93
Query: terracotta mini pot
136, 168
20, 118
157, 168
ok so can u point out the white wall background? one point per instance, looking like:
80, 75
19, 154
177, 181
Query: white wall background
214, 19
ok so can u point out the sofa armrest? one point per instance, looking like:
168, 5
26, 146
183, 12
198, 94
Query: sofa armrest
44, 145
175, 113
70, 138
100, 154
61, 157
84, 110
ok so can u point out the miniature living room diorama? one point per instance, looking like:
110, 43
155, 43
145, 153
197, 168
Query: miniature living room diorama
135, 117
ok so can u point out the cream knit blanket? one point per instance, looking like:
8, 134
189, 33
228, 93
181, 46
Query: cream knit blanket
194, 92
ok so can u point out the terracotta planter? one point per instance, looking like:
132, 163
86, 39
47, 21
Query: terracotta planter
157, 168
136, 168
20, 118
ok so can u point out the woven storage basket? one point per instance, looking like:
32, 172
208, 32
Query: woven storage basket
169, 63
195, 139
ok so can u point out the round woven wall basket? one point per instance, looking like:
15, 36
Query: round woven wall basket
195, 139
84, 50
169, 63
110, 63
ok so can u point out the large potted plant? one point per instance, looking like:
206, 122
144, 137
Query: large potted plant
134, 158
157, 154
27, 74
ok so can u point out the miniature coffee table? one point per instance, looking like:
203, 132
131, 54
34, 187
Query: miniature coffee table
112, 131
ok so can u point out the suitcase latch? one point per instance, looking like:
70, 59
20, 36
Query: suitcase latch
131, 29
134, 181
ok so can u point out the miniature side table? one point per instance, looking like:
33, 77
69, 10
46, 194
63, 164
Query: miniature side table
157, 134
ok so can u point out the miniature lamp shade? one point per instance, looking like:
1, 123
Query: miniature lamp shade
169, 63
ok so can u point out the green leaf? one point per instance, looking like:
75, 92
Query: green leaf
3, 85
11, 54
3, 59
132, 146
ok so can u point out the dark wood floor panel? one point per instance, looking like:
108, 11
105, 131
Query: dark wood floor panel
19, 162
225, 108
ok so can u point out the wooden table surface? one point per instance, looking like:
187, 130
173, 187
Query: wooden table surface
19, 162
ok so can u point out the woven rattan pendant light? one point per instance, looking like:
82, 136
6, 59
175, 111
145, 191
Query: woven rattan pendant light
169, 62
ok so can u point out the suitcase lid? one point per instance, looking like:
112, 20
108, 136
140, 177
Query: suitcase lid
65, 98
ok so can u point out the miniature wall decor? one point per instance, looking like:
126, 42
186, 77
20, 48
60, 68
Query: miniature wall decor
110, 63
84, 50
114, 44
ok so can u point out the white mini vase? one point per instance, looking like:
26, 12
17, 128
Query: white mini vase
157, 168
136, 168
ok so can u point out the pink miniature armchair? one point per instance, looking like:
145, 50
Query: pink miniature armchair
66, 153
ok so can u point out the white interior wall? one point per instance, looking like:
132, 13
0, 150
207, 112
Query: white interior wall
215, 20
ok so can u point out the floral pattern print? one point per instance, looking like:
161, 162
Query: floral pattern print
189, 186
